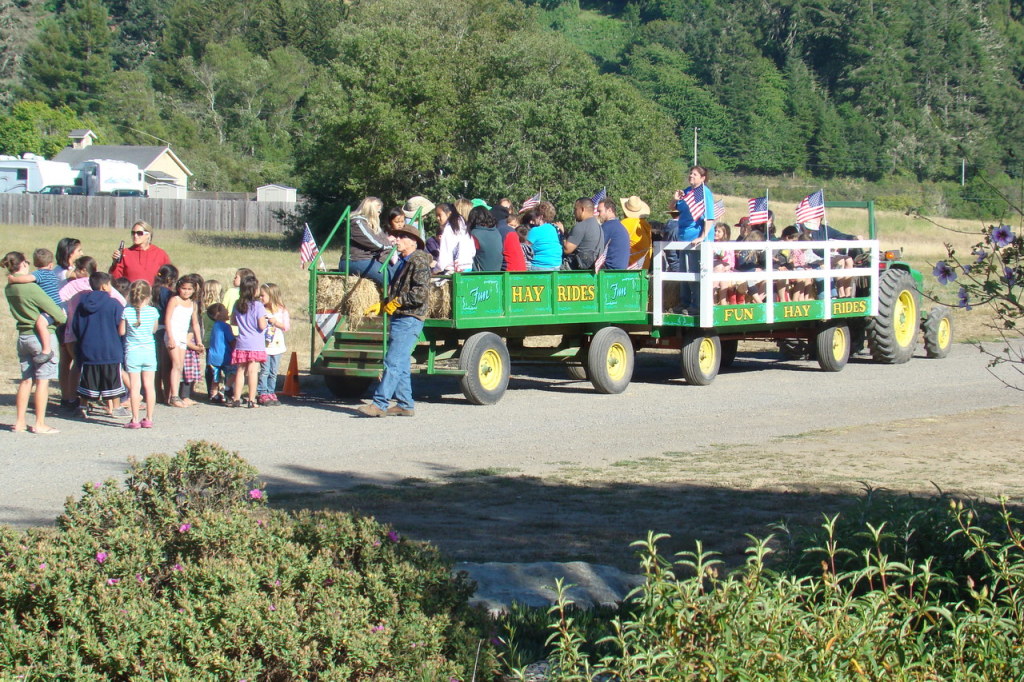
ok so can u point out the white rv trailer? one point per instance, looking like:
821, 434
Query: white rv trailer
30, 173
103, 176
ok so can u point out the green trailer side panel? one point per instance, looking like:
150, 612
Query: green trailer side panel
799, 310
851, 307
731, 315
487, 299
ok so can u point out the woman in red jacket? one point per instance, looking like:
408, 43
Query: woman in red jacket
142, 259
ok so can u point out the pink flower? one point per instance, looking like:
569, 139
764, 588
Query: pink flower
101, 557
185, 527
113, 581
255, 494
376, 543
377, 628
42, 566
138, 576
177, 567
273, 608
260, 522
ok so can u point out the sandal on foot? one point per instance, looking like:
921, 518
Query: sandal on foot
44, 431
175, 401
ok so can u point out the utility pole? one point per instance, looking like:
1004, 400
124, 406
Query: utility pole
695, 129
963, 171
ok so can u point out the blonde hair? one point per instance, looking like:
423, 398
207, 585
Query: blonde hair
463, 206
139, 296
274, 294
370, 208
213, 292
145, 226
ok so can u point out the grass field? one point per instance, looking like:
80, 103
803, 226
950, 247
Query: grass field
217, 256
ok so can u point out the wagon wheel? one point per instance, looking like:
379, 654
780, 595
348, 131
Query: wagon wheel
346, 387
833, 346
485, 360
892, 333
938, 332
701, 357
729, 348
610, 360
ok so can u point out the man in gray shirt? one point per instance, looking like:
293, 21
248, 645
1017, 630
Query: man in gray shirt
583, 244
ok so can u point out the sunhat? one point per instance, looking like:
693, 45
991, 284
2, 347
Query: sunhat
415, 203
634, 207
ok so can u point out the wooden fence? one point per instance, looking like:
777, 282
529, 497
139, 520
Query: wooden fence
163, 214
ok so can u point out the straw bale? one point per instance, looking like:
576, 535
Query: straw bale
439, 303
350, 296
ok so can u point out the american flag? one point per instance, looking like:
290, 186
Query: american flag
638, 264
308, 250
719, 209
599, 263
600, 196
811, 210
530, 203
696, 207
757, 210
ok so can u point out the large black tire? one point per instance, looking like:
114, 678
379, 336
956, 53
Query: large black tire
729, 348
610, 360
577, 372
486, 362
833, 347
346, 388
938, 332
892, 333
701, 357
794, 349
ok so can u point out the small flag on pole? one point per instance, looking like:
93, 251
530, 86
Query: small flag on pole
638, 264
599, 263
811, 210
600, 196
719, 209
696, 206
757, 210
531, 202
308, 250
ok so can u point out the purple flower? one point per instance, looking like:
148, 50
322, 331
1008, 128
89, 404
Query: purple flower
177, 567
1002, 236
943, 272
273, 608
377, 628
113, 581
138, 577
394, 536
981, 254
101, 557
185, 527
376, 543
255, 494
967, 269
962, 299
1008, 275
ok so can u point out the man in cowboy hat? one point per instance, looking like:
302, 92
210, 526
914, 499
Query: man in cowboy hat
407, 306
639, 231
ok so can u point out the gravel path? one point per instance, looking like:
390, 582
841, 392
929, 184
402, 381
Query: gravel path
545, 422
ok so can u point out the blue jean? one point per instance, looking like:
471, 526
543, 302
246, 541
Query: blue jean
396, 382
267, 382
370, 269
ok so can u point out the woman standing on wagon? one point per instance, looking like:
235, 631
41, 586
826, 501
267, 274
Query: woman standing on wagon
694, 229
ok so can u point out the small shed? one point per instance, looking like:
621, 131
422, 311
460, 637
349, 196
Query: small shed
167, 190
276, 193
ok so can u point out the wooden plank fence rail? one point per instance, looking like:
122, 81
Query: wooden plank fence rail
162, 214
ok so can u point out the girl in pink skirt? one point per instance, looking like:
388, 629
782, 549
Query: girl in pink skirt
250, 351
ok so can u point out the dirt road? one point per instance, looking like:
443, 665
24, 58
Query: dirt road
555, 471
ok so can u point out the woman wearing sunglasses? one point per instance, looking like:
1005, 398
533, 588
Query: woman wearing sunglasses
142, 259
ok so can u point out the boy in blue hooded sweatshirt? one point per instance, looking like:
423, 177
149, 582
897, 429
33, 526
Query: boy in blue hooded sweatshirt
100, 351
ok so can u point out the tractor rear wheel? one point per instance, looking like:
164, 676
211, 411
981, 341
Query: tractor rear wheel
938, 332
892, 333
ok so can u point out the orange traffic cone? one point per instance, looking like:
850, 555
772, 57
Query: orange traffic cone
291, 380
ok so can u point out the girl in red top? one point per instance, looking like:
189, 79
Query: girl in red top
142, 259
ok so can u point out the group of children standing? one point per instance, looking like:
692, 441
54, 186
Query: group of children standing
151, 337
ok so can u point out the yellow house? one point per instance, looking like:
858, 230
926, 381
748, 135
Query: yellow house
159, 164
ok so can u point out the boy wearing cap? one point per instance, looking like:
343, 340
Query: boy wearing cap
407, 306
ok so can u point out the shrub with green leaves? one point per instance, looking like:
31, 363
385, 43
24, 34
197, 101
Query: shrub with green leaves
851, 604
182, 572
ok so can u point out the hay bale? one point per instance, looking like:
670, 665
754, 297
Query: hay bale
439, 301
330, 290
350, 296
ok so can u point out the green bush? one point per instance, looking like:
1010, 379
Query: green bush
182, 572
867, 602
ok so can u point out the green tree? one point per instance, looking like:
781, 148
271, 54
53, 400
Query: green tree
36, 127
70, 62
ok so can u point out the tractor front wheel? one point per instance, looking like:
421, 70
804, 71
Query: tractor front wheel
938, 332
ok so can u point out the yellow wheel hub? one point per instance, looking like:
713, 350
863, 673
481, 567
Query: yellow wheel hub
490, 369
945, 333
615, 362
904, 318
838, 344
706, 356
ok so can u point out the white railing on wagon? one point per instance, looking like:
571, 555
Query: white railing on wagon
707, 277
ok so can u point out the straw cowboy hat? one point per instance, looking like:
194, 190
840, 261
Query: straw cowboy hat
417, 202
407, 230
634, 207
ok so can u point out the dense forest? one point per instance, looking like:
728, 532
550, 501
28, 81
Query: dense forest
494, 97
